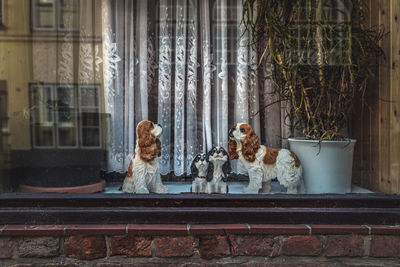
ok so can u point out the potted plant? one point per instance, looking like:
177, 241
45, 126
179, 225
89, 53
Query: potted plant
321, 54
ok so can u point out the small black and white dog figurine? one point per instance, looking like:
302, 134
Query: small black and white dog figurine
219, 168
199, 169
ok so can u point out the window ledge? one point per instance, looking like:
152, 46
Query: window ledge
349, 209
196, 229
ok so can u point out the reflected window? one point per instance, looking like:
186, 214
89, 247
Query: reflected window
55, 15
58, 121
2, 14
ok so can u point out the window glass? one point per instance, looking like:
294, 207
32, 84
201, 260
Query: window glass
69, 18
42, 120
44, 14
51, 15
78, 78
1, 13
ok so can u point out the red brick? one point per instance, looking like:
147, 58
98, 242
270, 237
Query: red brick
39, 247
94, 229
163, 264
214, 247
33, 230
131, 246
280, 229
385, 230
108, 265
20, 265
218, 229
157, 229
6, 245
344, 246
217, 264
85, 248
266, 246
204, 229
235, 264
299, 265
385, 246
200, 264
173, 246
70, 264
301, 246
339, 229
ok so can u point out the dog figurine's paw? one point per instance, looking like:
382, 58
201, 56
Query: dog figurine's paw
161, 189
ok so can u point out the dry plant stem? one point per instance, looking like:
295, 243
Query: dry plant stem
320, 81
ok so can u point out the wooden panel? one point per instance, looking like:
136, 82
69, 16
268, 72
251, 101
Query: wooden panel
395, 98
372, 151
384, 103
378, 159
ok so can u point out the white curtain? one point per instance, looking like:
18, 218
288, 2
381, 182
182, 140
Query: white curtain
185, 64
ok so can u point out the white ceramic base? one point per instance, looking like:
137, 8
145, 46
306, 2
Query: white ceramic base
234, 188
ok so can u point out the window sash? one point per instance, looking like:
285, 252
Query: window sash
38, 120
56, 17
83, 108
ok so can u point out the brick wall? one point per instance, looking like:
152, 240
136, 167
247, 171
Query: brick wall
199, 245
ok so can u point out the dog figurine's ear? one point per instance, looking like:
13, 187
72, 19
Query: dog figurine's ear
232, 146
150, 147
210, 171
193, 169
250, 145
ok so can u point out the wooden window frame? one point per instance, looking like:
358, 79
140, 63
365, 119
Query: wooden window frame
360, 209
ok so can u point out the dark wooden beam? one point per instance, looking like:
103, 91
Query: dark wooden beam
189, 208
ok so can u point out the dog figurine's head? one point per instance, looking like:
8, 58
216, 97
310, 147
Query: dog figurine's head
243, 133
199, 164
147, 133
218, 156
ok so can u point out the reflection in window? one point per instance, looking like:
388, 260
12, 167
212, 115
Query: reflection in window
89, 114
1, 14
54, 116
55, 14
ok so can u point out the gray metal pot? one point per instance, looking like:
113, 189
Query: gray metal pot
327, 165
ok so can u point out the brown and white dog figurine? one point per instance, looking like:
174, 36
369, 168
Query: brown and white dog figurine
263, 163
143, 175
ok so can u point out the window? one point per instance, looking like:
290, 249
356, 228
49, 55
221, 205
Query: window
333, 26
55, 15
2, 15
4, 137
65, 116
81, 75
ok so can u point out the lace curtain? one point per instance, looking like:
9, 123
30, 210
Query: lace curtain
185, 64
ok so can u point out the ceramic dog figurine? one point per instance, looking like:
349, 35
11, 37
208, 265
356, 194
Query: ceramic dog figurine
263, 163
143, 175
199, 169
219, 169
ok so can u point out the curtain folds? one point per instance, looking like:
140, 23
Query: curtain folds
186, 64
